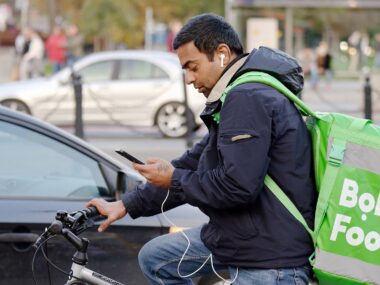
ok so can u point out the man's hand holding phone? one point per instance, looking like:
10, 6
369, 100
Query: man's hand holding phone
157, 171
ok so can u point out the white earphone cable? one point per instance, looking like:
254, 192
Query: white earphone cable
187, 248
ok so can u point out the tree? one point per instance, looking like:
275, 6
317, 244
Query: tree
109, 22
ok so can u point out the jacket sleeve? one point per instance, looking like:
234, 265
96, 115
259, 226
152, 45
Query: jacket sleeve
146, 199
244, 140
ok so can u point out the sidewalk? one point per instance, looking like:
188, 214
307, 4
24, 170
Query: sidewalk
342, 96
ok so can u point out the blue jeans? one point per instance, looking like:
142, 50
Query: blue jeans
159, 260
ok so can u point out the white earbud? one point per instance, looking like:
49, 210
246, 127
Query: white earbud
222, 56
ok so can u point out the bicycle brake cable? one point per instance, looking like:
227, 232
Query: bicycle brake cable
47, 259
34, 258
55, 266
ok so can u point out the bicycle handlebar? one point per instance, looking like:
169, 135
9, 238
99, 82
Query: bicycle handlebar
55, 228
75, 222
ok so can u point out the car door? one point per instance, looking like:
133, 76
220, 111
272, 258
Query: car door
136, 93
98, 80
41, 172
96, 77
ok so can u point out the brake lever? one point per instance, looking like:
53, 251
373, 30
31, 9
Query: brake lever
84, 219
82, 227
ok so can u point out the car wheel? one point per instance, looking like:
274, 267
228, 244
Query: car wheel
16, 105
171, 120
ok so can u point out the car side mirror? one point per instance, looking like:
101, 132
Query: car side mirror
121, 184
127, 182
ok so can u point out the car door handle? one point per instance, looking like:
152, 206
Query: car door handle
18, 237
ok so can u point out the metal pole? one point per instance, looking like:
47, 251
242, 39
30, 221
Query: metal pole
24, 7
289, 30
189, 117
149, 25
367, 98
77, 85
52, 6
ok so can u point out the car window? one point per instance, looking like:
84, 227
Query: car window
140, 69
34, 165
100, 71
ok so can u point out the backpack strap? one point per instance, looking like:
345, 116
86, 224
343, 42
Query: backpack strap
288, 204
265, 78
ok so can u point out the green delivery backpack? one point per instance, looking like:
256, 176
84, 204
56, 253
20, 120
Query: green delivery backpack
346, 153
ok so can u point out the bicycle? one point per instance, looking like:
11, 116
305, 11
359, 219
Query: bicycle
70, 226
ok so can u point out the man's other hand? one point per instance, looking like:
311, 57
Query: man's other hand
112, 210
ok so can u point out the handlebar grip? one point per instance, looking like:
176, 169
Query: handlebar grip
54, 228
91, 212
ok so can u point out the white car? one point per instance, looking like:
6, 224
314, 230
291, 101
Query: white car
135, 88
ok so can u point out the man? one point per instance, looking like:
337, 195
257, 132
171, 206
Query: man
250, 233
31, 61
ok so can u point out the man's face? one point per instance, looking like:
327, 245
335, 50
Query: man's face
200, 72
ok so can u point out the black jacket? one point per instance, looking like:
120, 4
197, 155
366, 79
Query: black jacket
260, 132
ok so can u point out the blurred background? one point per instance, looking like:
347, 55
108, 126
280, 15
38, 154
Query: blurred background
348, 29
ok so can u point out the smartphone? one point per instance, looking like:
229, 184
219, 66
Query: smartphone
128, 156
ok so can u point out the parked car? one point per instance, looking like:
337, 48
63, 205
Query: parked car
133, 87
44, 169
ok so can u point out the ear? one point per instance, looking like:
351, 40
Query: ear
223, 55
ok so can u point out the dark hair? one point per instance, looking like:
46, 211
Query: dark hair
208, 31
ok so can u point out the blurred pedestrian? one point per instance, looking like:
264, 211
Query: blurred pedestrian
21, 47
174, 27
56, 48
31, 61
308, 62
328, 68
314, 72
74, 44
321, 63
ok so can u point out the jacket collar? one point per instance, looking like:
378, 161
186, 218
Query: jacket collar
223, 81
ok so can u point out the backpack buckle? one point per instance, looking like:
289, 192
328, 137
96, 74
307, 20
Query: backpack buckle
336, 154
